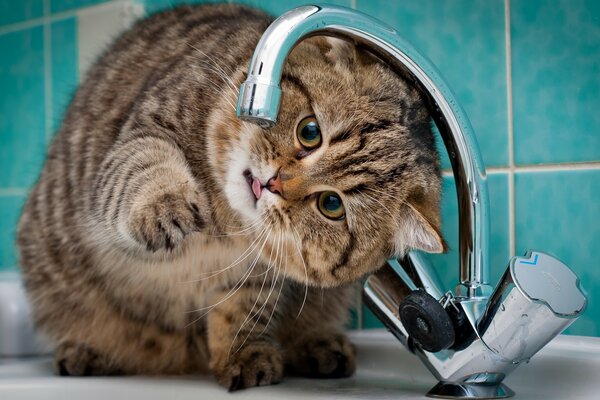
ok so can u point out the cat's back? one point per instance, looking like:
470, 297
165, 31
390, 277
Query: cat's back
51, 230
153, 49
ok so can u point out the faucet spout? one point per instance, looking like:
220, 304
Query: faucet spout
260, 96
472, 339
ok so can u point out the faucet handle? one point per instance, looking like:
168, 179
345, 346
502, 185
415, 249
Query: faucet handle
435, 324
547, 280
427, 321
537, 298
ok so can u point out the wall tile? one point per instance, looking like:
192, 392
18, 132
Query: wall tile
446, 264
64, 67
10, 209
22, 143
559, 213
151, 6
274, 7
556, 80
12, 11
277, 7
65, 5
465, 40
370, 321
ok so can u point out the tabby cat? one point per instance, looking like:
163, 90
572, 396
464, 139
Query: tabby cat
166, 236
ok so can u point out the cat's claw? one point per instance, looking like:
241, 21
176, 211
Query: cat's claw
163, 221
77, 359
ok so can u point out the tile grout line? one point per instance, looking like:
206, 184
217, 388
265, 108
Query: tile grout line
47, 73
48, 17
560, 167
13, 191
511, 137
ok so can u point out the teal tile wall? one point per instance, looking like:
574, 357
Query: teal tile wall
151, 6
446, 265
65, 5
21, 107
465, 40
556, 64
10, 208
65, 73
12, 11
526, 71
560, 212
277, 7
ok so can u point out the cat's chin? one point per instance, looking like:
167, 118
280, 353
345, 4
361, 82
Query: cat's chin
243, 202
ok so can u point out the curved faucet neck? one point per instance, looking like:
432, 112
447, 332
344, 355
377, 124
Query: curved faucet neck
260, 96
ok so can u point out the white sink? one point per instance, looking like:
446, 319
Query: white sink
568, 368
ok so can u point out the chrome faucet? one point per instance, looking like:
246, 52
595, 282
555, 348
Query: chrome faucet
472, 338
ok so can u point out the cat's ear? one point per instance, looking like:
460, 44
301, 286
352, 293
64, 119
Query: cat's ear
415, 231
336, 51
342, 52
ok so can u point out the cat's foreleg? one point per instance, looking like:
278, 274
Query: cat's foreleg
145, 194
313, 335
243, 351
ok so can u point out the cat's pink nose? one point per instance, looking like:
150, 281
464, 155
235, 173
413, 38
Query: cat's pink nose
275, 186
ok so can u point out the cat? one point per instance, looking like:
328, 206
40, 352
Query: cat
166, 236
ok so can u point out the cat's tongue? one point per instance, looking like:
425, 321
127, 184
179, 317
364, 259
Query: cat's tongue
256, 188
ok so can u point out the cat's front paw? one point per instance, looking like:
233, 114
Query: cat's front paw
256, 364
323, 356
162, 220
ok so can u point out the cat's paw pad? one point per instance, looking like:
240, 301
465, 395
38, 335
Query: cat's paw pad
330, 356
76, 359
163, 220
257, 364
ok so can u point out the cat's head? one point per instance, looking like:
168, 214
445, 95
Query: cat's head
348, 176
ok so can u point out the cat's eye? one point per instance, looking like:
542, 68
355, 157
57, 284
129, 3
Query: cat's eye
331, 206
308, 132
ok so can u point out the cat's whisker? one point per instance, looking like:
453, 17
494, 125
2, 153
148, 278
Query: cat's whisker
384, 206
375, 104
250, 313
245, 231
251, 226
217, 87
221, 75
251, 223
217, 67
273, 287
261, 309
231, 293
297, 243
215, 64
387, 194
241, 258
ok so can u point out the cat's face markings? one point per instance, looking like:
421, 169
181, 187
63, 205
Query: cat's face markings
348, 147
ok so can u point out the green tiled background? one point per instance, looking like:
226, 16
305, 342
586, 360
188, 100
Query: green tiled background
526, 71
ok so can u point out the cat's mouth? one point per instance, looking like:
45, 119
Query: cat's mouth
254, 183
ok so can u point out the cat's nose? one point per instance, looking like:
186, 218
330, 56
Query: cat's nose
274, 185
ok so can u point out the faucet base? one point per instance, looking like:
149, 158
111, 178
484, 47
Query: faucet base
450, 390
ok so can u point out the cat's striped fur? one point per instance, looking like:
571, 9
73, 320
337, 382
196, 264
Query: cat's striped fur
140, 250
